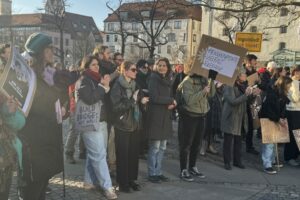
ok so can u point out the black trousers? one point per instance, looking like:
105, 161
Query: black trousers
249, 134
291, 150
35, 190
237, 148
127, 155
6, 177
190, 135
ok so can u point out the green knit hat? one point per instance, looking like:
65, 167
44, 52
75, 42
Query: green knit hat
37, 42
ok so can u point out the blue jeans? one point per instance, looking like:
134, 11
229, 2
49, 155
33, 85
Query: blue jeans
155, 156
96, 169
267, 155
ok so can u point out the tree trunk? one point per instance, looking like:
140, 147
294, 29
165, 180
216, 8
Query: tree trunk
62, 52
123, 45
151, 52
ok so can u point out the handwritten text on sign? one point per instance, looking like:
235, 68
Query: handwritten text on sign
220, 61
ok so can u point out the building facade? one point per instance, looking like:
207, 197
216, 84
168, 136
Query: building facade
80, 33
181, 32
5, 7
281, 33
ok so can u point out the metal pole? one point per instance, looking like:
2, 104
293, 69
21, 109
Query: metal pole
210, 19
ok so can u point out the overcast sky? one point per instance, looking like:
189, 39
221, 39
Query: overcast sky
95, 8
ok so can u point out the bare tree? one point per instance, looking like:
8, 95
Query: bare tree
252, 5
57, 12
83, 46
236, 21
121, 29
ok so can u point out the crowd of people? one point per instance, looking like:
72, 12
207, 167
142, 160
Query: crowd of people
121, 111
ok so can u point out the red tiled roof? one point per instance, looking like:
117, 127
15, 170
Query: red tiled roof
189, 11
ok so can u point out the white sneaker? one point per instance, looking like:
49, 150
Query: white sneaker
110, 194
293, 163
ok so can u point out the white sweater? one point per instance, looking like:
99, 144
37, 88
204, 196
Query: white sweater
294, 96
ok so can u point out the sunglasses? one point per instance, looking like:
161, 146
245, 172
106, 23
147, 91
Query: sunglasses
133, 70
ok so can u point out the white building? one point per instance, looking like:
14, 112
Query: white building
182, 31
5, 7
280, 39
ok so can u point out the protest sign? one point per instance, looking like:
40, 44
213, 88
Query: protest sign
253, 79
274, 132
297, 137
219, 56
19, 80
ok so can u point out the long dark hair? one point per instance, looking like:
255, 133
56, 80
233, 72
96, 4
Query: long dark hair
166, 60
277, 72
281, 85
38, 64
86, 62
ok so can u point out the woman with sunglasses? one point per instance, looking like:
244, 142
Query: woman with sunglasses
159, 121
124, 97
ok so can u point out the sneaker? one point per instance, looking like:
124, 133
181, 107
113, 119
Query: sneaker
227, 166
163, 178
154, 179
280, 165
239, 165
110, 194
212, 150
185, 175
293, 163
270, 170
135, 186
194, 171
70, 159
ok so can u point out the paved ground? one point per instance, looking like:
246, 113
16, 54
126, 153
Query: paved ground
247, 184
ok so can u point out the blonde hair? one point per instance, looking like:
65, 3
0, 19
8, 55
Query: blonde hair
125, 66
188, 65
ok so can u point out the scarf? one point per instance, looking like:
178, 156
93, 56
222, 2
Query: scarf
129, 86
94, 75
48, 75
130, 89
241, 86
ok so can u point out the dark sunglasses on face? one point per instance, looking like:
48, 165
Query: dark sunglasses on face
133, 70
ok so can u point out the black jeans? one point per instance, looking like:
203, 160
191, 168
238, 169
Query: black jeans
127, 155
237, 148
190, 136
291, 150
249, 134
35, 190
5, 178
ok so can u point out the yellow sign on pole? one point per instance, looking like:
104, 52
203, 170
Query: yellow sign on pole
250, 41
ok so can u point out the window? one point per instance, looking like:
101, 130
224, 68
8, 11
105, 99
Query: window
283, 29
168, 49
134, 26
284, 12
177, 24
116, 38
156, 25
253, 29
132, 49
282, 45
171, 37
112, 49
145, 13
67, 42
135, 39
225, 32
110, 27
226, 15
148, 25
194, 38
75, 25
184, 37
84, 26
55, 41
107, 38
171, 12
159, 49
124, 15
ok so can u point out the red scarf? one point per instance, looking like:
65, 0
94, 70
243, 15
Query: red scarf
94, 75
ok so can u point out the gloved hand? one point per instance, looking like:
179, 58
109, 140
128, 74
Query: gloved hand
212, 74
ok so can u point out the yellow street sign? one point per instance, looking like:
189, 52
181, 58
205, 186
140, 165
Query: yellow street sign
250, 41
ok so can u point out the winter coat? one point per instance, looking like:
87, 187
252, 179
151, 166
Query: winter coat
159, 122
274, 106
195, 99
42, 135
121, 105
178, 79
294, 96
91, 93
234, 113
142, 80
